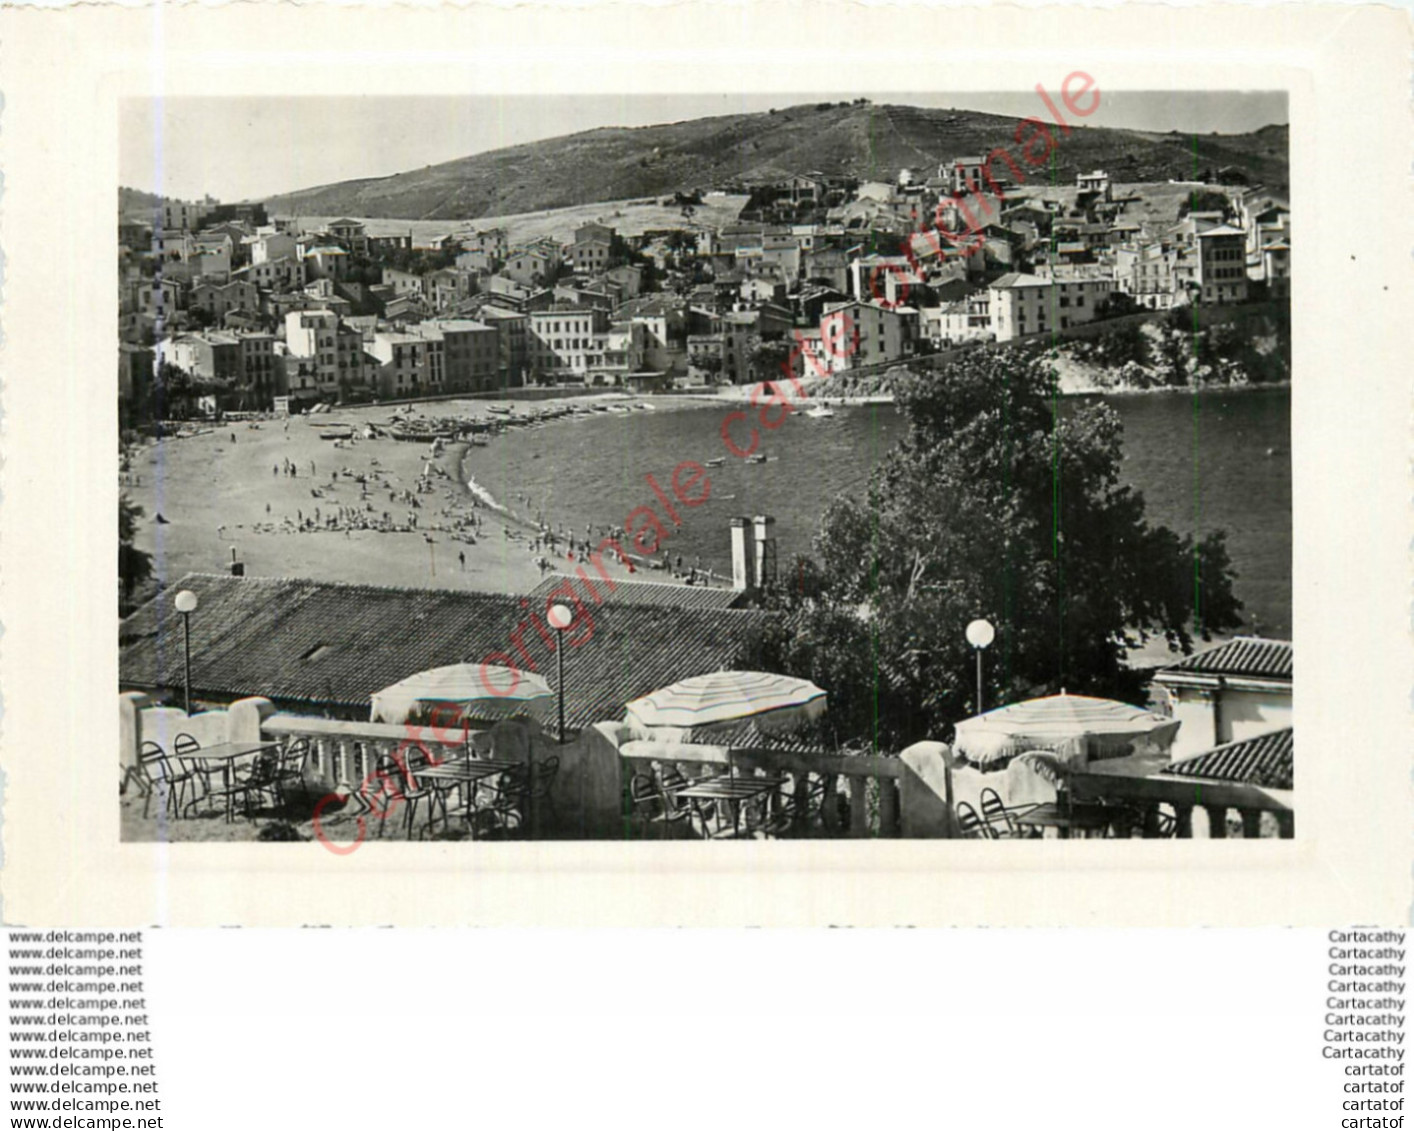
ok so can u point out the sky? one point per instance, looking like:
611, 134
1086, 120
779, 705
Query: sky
246, 148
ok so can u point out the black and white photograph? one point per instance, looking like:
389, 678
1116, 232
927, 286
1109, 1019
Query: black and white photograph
847, 465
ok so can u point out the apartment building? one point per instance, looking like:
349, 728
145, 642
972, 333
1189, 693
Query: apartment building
562, 342
512, 343
1028, 304
1222, 265
403, 363
856, 334
462, 355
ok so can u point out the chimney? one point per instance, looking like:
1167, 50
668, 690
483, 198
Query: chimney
765, 550
742, 574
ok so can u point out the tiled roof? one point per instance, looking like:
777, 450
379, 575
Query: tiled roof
1265, 760
299, 641
650, 306
662, 594
1250, 656
1018, 280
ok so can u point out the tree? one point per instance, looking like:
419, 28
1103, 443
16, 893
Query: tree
708, 362
134, 565
767, 358
1205, 200
996, 503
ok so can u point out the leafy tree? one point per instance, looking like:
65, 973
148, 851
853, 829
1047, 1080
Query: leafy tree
709, 363
998, 502
1205, 200
767, 358
134, 565
171, 393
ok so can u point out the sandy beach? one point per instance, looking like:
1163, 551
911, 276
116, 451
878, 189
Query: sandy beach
291, 504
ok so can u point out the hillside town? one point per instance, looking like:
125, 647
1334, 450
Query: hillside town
225, 308
346, 686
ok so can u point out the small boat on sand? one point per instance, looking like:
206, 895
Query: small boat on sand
717, 462
820, 412
758, 458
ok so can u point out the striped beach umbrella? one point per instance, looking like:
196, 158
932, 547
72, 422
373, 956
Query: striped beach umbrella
775, 703
459, 685
1076, 728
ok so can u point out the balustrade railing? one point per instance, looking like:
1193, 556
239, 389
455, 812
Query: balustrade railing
860, 793
1260, 811
347, 753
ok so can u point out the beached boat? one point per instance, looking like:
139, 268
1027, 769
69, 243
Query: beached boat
758, 458
336, 434
717, 462
820, 412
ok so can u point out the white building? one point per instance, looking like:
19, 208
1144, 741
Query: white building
564, 341
1236, 690
856, 334
1029, 304
403, 360
1222, 265
270, 246
333, 353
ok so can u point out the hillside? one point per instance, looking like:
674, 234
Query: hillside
135, 202
849, 139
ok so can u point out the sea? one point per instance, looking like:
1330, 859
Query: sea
1218, 459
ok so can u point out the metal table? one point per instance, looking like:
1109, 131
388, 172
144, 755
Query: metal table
226, 754
734, 791
459, 773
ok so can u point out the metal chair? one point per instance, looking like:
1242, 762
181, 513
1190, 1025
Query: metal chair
166, 778
260, 779
670, 780
993, 808
400, 773
197, 771
275, 774
520, 792
800, 810
971, 825
644, 800
289, 773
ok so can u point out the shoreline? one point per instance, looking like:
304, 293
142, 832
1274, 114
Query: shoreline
221, 501
274, 496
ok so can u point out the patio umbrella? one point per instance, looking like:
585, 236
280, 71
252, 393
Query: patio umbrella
776, 704
461, 685
1076, 728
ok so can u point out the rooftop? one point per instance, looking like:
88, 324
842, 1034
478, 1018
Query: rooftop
457, 325
1265, 761
659, 594
325, 643
1243, 656
1018, 280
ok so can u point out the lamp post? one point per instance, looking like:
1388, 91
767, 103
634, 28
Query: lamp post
560, 618
186, 603
980, 633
